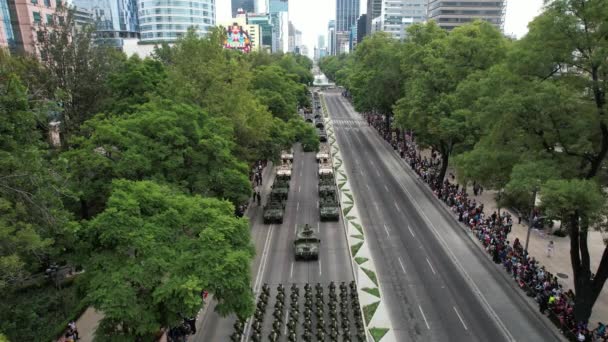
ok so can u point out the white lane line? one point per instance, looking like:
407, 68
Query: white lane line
431, 266
402, 267
300, 173
320, 269
298, 207
397, 206
295, 228
317, 204
286, 314
385, 187
386, 230
299, 188
377, 172
368, 188
291, 271
461, 320
411, 231
423, 316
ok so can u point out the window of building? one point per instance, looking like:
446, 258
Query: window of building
47, 3
58, 3
35, 2
49, 19
37, 17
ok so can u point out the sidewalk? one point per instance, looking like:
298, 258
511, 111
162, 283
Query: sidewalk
559, 262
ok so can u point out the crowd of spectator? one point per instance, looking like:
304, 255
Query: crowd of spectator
493, 231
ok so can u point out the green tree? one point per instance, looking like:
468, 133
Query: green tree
153, 250
435, 64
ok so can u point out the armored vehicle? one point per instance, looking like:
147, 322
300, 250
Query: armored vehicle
322, 135
329, 208
306, 245
319, 123
273, 211
317, 115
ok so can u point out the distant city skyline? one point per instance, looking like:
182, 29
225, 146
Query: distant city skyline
311, 16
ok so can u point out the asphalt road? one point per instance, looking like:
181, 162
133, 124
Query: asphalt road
438, 285
274, 262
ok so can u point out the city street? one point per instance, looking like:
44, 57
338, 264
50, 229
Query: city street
439, 286
274, 262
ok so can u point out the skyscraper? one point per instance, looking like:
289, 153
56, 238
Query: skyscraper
450, 14
279, 16
321, 41
114, 20
397, 15
347, 12
246, 5
263, 21
331, 38
361, 28
168, 20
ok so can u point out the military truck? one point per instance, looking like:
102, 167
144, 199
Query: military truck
273, 211
280, 189
327, 185
287, 156
284, 171
322, 135
323, 152
306, 244
325, 167
329, 208
319, 124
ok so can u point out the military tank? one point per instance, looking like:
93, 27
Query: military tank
323, 152
322, 135
287, 156
319, 123
284, 171
273, 211
325, 168
329, 208
306, 244
280, 189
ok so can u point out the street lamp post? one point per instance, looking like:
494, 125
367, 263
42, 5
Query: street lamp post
531, 220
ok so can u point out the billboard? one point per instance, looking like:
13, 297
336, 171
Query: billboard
237, 38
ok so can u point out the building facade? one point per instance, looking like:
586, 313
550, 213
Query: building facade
28, 17
169, 20
361, 28
347, 12
114, 20
450, 14
279, 17
397, 15
241, 35
331, 38
374, 10
7, 38
245, 5
265, 29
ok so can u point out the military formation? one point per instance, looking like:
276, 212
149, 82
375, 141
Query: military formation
274, 210
314, 315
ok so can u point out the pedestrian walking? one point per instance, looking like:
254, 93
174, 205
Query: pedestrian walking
73, 329
550, 247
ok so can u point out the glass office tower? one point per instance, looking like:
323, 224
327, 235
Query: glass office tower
167, 20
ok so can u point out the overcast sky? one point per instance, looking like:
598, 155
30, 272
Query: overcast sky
311, 16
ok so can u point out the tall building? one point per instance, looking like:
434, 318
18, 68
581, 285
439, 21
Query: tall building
374, 9
27, 17
168, 20
279, 16
321, 41
361, 28
114, 20
397, 15
265, 28
347, 12
245, 5
331, 38
450, 14
7, 38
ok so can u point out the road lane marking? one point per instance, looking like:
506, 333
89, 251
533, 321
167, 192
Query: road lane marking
317, 204
385, 188
411, 231
299, 188
431, 266
386, 230
368, 188
402, 267
295, 228
423, 316
320, 269
397, 206
461, 320
298, 207
291, 271
259, 276
377, 172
